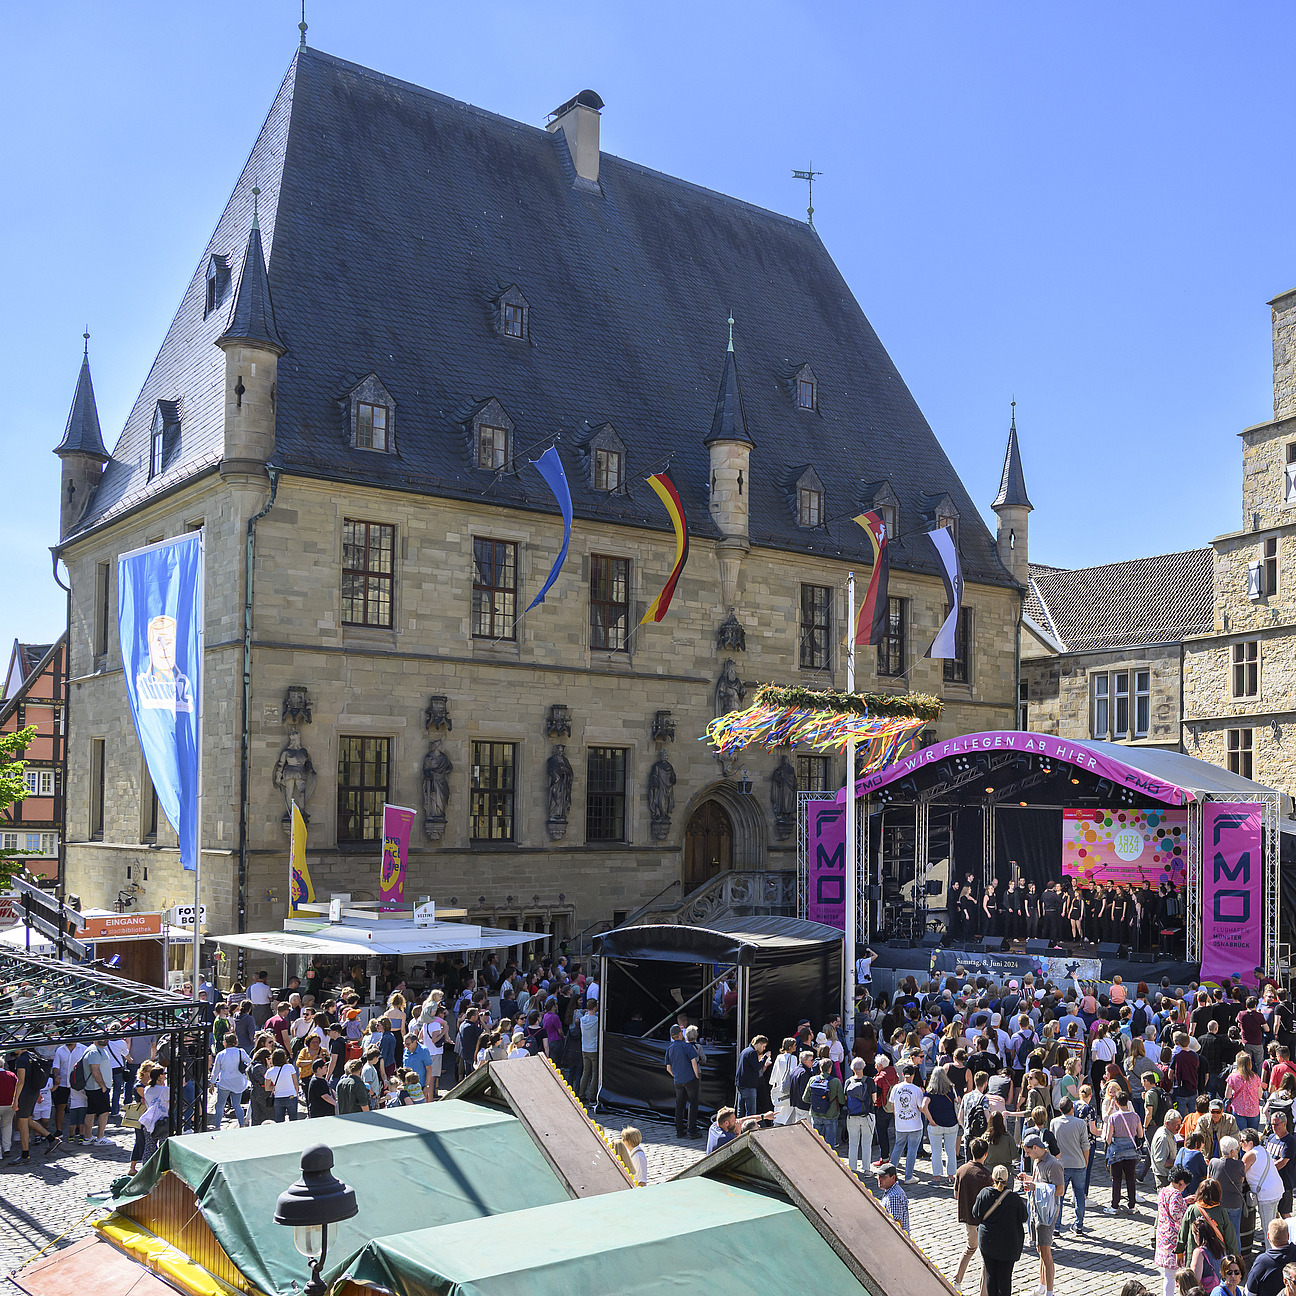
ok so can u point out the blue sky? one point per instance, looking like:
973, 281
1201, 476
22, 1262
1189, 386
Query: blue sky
1086, 206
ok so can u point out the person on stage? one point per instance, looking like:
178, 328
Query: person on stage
1051, 908
1147, 914
1008, 908
990, 909
1032, 912
1102, 901
967, 908
1078, 909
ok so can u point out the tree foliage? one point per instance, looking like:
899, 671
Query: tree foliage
12, 790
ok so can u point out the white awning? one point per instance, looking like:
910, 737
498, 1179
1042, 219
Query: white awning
335, 939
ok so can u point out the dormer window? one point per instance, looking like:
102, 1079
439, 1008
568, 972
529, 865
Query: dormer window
492, 446
211, 293
879, 498
810, 508
157, 445
217, 280
950, 522
512, 313
162, 435
371, 416
371, 426
607, 470
805, 388
887, 513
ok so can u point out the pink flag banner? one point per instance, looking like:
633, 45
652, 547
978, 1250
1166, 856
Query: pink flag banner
397, 823
1232, 889
826, 882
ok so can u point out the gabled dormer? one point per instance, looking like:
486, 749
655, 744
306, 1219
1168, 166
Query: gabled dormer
217, 281
490, 436
513, 315
939, 511
804, 388
607, 461
164, 437
809, 498
370, 413
878, 497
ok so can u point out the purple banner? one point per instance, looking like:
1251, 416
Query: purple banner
1232, 889
1081, 755
826, 881
397, 822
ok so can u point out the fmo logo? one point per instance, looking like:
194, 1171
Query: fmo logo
1231, 904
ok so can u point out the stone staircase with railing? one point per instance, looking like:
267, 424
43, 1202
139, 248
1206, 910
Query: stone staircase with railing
732, 894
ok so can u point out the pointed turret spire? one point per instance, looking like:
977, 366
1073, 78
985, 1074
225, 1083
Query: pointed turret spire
1012, 485
252, 315
82, 434
728, 423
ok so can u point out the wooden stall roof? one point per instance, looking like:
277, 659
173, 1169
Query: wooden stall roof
532, 1089
794, 1160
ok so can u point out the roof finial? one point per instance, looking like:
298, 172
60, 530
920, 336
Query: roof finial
256, 213
301, 27
86, 335
1013, 428
730, 332
809, 177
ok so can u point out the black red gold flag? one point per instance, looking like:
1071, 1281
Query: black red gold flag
665, 488
871, 623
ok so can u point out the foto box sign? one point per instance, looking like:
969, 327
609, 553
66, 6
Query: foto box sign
182, 916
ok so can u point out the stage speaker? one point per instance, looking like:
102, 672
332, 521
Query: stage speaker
875, 894
1109, 949
899, 943
1037, 946
933, 940
1142, 956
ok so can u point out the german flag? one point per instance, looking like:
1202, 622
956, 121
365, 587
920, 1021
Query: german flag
871, 623
665, 488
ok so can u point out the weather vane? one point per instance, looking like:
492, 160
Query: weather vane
809, 177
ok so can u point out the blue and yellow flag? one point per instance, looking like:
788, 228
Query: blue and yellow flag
300, 888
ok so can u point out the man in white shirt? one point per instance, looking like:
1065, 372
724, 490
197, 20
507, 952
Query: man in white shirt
259, 995
591, 991
864, 968
305, 1026
907, 1099
66, 1056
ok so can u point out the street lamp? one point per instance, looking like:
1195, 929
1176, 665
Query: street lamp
744, 783
312, 1208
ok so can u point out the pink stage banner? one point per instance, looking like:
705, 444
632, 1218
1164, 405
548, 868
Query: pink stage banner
397, 823
1125, 846
1232, 889
826, 883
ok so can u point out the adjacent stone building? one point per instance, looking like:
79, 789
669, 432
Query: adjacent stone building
1102, 647
405, 301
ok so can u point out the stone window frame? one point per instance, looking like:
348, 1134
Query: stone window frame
512, 305
894, 641
491, 414
370, 573
370, 390
609, 442
1141, 727
1270, 548
808, 780
1289, 474
810, 497
811, 650
504, 620
489, 796
364, 788
1245, 663
216, 281
1239, 751
606, 803
1100, 701
609, 603
804, 375
164, 437
963, 647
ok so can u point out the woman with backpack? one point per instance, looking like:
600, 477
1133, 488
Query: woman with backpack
861, 1114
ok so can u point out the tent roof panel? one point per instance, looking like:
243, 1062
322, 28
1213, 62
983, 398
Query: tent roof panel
731, 940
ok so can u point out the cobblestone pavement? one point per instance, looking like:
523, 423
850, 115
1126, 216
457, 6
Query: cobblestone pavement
47, 1199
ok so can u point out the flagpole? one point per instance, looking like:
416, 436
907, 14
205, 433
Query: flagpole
198, 739
848, 949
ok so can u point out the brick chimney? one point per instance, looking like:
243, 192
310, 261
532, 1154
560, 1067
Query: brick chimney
578, 119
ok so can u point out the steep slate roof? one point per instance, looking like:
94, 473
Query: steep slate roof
393, 218
82, 435
1012, 483
251, 317
1144, 601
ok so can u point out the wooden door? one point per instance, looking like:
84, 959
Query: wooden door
708, 845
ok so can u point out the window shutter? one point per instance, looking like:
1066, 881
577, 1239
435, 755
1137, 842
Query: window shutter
1253, 580
1291, 482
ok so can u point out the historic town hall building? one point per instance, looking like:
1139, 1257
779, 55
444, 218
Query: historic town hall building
418, 300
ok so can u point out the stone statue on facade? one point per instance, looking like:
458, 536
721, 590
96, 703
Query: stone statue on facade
294, 776
783, 797
559, 770
731, 634
437, 768
730, 690
296, 705
661, 796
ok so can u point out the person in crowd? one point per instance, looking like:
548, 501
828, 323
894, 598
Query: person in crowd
229, 1079
1163, 1148
1208, 1254
1263, 1178
143, 1078
1000, 1216
686, 1074
352, 1092
156, 1116
861, 1108
780, 1080
1191, 1158
969, 1181
1073, 1140
1044, 1185
892, 1196
1208, 1204
726, 1127
1172, 1204
942, 1125
907, 1100
1122, 1132
1228, 1171
587, 1092
753, 1062
1267, 1273
629, 1147
827, 1099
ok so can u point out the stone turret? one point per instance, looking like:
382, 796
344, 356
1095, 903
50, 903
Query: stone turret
81, 451
1013, 508
730, 448
252, 349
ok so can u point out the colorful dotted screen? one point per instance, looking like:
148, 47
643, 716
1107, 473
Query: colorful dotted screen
1125, 845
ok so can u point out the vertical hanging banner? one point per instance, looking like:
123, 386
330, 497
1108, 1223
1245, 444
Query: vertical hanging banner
1232, 889
549, 466
826, 863
871, 622
946, 642
160, 622
397, 823
301, 890
666, 492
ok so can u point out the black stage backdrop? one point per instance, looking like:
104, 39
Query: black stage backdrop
1032, 837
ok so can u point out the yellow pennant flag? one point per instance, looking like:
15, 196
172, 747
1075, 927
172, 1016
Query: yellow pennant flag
300, 888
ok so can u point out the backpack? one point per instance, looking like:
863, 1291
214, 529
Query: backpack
38, 1071
817, 1091
78, 1078
1138, 1022
977, 1120
860, 1095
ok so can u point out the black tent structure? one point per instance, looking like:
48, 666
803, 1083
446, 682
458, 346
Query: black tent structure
987, 800
780, 969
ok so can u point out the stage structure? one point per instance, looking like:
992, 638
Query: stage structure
1020, 783
777, 970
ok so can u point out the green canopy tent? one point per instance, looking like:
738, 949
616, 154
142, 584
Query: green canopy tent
687, 1235
411, 1167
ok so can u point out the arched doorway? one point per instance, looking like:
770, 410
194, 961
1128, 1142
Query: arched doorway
708, 844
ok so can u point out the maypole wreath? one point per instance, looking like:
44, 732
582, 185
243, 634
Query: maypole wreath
825, 720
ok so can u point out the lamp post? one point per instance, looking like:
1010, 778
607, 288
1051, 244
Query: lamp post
312, 1208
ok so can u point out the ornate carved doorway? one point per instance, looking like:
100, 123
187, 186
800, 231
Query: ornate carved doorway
708, 844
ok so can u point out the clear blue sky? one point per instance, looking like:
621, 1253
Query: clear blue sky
1086, 206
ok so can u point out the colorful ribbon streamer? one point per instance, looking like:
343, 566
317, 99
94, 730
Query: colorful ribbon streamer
665, 488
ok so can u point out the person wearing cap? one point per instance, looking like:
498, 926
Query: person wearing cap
1046, 1187
891, 1195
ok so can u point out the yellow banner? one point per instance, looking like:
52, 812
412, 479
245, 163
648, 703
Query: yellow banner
300, 888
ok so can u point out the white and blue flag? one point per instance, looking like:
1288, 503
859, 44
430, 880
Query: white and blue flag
946, 642
160, 619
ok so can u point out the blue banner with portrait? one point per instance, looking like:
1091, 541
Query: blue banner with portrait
160, 619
